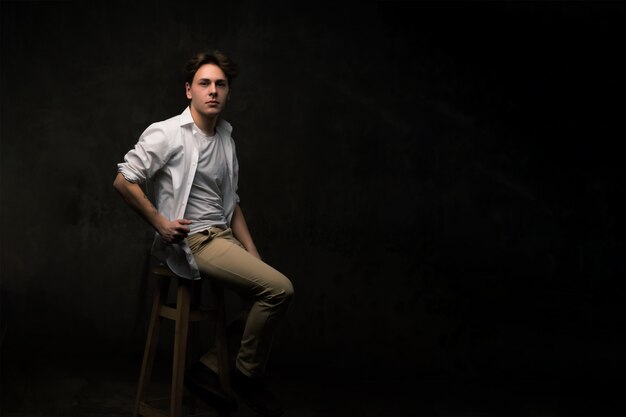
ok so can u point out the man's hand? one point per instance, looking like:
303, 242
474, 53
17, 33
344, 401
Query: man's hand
174, 231
254, 253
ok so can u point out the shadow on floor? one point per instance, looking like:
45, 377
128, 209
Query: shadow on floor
99, 387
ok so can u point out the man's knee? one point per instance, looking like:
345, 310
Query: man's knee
288, 289
282, 291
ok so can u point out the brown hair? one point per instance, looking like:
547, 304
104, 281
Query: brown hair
216, 58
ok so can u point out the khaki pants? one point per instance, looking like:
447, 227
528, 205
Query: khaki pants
222, 258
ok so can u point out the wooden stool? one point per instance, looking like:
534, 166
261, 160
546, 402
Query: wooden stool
182, 314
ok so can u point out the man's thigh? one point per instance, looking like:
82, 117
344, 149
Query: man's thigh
224, 260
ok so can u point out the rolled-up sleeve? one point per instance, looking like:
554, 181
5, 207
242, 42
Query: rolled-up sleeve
149, 154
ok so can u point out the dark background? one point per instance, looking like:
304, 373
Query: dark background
443, 183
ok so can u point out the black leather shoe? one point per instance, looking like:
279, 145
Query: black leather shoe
256, 394
205, 384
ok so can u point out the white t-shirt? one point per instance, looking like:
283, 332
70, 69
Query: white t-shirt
205, 207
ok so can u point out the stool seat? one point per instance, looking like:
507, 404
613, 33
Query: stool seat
186, 310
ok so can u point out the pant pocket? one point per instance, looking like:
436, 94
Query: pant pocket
199, 240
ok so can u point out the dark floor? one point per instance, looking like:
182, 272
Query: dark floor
99, 387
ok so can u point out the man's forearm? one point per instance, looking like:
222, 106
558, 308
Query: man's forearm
172, 231
134, 196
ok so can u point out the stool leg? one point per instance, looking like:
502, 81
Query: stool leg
152, 339
183, 301
194, 327
194, 331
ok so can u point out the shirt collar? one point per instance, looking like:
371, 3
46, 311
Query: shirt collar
222, 125
185, 117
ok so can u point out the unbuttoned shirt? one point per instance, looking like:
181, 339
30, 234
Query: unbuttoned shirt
168, 154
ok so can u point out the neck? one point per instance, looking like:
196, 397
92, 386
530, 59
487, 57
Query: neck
204, 123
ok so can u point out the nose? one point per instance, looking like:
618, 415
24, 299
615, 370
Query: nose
212, 90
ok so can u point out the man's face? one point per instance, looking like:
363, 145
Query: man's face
208, 91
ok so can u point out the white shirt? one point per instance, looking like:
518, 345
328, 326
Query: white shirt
167, 153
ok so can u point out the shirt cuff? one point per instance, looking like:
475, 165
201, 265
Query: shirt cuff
128, 175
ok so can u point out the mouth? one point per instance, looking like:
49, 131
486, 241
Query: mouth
213, 102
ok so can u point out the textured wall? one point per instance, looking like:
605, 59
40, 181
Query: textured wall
443, 183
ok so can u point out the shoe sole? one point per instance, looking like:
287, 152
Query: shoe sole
210, 397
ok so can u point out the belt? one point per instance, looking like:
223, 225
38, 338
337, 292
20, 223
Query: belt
214, 228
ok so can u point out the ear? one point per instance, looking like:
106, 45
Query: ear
188, 90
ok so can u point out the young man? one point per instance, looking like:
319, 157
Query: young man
200, 228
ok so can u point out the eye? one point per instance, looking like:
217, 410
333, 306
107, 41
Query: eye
203, 83
221, 84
